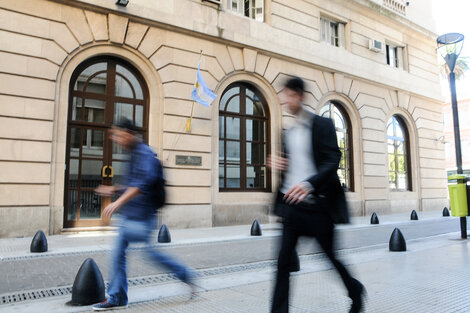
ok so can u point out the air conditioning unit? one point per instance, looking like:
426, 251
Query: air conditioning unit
375, 45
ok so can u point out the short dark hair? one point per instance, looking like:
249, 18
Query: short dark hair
296, 84
126, 124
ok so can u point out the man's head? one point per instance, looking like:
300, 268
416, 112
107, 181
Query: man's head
124, 133
293, 94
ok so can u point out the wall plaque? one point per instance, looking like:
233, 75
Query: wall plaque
188, 160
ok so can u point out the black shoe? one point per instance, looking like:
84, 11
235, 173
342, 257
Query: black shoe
357, 297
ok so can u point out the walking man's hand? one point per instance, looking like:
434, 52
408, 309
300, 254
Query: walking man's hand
297, 193
110, 209
277, 162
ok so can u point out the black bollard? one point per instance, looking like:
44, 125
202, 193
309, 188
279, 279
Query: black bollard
294, 262
445, 212
88, 286
39, 242
397, 241
255, 229
374, 218
414, 215
164, 234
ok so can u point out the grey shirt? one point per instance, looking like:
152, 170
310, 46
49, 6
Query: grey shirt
298, 140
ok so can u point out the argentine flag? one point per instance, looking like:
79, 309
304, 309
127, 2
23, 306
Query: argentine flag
201, 93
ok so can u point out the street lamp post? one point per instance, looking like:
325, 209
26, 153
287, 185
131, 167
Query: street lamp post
449, 46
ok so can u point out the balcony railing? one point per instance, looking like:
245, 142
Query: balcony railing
397, 6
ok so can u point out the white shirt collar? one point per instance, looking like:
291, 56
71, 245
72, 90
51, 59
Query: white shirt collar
303, 117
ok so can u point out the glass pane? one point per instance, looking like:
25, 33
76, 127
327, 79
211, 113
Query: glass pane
134, 81
221, 127
254, 153
221, 150
119, 168
255, 177
325, 111
392, 180
234, 105
254, 130
123, 110
391, 148
249, 106
233, 127
97, 84
119, 153
94, 110
91, 173
221, 176
226, 96
342, 161
75, 142
338, 119
398, 131
233, 176
402, 183
342, 177
401, 163
233, 152
391, 162
90, 205
258, 109
341, 139
88, 72
123, 88
72, 205
250, 93
249, 153
93, 143
139, 116
73, 173
400, 147
77, 109
391, 53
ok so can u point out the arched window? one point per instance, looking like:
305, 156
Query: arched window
102, 91
398, 155
335, 111
243, 140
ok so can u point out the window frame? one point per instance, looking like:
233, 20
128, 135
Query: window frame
243, 117
398, 55
242, 10
349, 161
406, 153
328, 24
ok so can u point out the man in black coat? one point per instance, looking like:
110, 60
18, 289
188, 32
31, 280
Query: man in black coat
310, 199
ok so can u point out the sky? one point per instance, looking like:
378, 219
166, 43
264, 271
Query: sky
452, 16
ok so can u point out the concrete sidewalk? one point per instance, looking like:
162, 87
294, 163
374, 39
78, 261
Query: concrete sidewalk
431, 276
70, 242
226, 259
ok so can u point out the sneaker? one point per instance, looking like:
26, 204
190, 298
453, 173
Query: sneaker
105, 305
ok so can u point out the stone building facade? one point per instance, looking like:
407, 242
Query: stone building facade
68, 68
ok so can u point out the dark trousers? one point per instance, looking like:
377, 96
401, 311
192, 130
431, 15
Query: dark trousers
309, 221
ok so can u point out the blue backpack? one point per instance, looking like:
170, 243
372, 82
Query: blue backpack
159, 186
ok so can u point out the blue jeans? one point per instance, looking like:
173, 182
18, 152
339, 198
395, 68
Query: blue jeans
137, 231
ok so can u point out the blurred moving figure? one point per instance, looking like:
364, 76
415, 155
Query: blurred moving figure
138, 203
310, 199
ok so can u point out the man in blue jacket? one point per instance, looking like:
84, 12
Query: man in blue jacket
137, 204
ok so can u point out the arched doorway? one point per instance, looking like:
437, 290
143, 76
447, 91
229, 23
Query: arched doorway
102, 90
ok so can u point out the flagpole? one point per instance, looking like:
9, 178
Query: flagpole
188, 123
